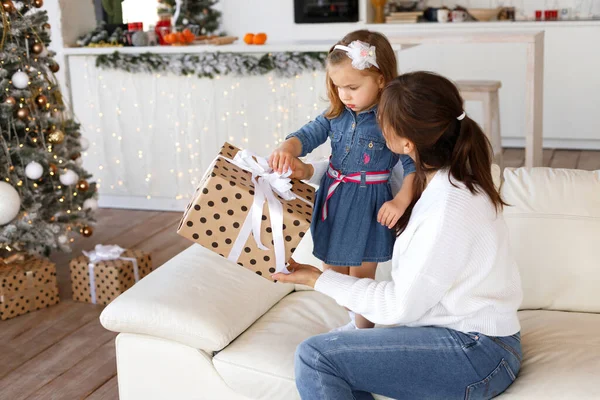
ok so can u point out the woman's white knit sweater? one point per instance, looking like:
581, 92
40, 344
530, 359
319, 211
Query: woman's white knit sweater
451, 267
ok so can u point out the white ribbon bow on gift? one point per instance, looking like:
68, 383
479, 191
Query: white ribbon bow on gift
106, 253
266, 184
362, 54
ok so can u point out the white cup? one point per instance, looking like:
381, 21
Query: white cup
443, 15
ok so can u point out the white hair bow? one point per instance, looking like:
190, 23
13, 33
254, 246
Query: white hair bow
362, 54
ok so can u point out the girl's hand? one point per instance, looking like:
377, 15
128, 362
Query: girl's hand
302, 274
281, 159
390, 212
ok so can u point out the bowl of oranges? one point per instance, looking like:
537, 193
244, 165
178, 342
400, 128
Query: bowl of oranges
258, 38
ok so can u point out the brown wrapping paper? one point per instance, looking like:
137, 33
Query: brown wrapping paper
221, 204
112, 277
27, 286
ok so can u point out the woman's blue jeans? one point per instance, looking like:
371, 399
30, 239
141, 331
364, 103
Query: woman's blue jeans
406, 363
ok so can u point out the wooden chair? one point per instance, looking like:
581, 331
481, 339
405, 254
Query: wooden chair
486, 92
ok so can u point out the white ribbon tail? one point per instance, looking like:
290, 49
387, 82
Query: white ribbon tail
276, 215
92, 282
260, 190
136, 270
241, 239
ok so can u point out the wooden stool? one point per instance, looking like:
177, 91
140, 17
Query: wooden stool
487, 93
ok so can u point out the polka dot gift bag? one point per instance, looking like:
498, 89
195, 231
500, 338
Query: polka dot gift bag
248, 214
101, 275
26, 284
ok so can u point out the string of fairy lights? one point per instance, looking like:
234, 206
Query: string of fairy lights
197, 120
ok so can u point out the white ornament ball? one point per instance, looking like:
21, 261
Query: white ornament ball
69, 178
85, 144
90, 204
63, 239
10, 203
20, 80
34, 170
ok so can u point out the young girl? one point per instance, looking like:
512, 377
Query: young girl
354, 209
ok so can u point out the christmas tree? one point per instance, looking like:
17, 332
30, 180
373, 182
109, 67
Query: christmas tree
45, 195
194, 12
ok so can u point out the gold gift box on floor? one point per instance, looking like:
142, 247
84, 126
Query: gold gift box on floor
109, 278
219, 214
27, 285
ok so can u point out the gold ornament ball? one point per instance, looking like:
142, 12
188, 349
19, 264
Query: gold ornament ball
54, 67
83, 185
41, 101
22, 114
8, 6
38, 3
37, 48
56, 137
75, 156
10, 100
86, 231
53, 168
47, 26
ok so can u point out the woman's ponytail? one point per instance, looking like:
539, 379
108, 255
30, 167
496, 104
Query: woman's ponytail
471, 161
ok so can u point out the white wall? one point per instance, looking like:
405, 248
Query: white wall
69, 19
276, 17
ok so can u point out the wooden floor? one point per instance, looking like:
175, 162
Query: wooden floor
63, 352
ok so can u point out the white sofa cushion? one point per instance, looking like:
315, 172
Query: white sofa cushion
260, 363
561, 356
554, 223
198, 298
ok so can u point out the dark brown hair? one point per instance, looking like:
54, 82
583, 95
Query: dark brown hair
386, 59
423, 107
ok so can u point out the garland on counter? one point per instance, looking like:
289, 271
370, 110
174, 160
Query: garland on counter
209, 65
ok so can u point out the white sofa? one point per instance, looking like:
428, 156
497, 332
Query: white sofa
201, 327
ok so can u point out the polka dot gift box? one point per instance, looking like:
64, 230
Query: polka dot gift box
27, 284
99, 276
247, 214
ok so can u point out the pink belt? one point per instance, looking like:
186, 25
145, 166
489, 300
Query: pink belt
371, 178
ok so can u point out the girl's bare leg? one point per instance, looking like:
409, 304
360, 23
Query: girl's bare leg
366, 270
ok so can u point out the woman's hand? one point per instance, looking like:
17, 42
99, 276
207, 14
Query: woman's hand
301, 170
302, 274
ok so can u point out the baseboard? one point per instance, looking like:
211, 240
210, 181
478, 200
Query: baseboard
568, 144
142, 203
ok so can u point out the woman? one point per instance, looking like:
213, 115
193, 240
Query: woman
455, 287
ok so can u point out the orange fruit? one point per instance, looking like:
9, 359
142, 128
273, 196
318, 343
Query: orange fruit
249, 38
260, 38
170, 38
188, 36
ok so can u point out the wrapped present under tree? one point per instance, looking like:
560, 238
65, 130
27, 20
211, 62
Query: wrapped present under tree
99, 276
26, 284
